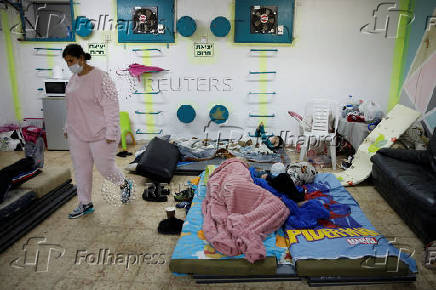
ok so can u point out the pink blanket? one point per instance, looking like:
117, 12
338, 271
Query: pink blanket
238, 214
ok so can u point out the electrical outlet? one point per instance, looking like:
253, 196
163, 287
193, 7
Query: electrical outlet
280, 29
160, 29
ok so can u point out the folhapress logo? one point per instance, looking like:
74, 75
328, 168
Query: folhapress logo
38, 254
402, 251
386, 19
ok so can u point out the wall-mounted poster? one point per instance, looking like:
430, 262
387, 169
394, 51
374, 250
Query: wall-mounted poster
203, 49
97, 48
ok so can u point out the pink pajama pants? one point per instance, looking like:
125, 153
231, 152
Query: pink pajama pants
84, 155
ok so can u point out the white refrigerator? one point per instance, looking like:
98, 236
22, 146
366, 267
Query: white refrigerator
55, 112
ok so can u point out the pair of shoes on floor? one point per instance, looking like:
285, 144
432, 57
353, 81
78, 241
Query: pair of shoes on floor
126, 190
184, 195
80, 210
155, 193
170, 226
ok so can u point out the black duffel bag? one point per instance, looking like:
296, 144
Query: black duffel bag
159, 161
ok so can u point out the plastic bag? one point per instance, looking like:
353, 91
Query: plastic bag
371, 111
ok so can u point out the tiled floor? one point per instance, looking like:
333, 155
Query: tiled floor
133, 229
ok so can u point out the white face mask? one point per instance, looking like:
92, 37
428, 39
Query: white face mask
75, 68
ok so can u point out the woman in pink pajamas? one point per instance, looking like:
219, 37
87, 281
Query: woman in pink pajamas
92, 127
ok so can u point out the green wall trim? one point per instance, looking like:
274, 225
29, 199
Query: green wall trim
11, 63
400, 54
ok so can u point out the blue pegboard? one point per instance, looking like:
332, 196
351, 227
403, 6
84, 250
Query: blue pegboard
285, 18
165, 14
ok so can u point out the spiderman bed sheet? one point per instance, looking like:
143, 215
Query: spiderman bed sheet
345, 244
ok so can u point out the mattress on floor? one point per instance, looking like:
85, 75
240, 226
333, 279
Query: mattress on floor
194, 255
196, 168
347, 245
16, 200
20, 198
49, 179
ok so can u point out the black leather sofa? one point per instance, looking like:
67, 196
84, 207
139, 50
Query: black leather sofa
407, 181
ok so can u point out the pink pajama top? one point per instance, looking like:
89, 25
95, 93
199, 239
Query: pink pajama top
92, 107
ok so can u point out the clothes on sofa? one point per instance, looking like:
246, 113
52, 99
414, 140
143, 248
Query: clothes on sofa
407, 180
422, 157
238, 214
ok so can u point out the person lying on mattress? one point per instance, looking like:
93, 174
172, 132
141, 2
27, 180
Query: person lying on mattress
278, 179
272, 142
303, 213
238, 214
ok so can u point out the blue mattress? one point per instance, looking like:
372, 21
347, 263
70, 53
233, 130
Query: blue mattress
193, 246
348, 235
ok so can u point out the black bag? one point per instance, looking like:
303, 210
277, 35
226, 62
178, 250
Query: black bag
159, 161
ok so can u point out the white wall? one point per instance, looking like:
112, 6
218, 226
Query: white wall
7, 112
330, 57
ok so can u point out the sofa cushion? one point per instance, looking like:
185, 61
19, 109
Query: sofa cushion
47, 180
416, 181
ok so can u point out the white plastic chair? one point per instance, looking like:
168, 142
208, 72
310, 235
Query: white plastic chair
322, 113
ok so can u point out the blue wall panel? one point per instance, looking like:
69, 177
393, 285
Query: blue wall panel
165, 13
242, 21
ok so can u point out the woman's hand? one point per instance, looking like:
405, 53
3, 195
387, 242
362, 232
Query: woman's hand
109, 141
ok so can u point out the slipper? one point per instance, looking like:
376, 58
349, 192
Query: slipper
147, 195
157, 189
155, 198
124, 154
172, 226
